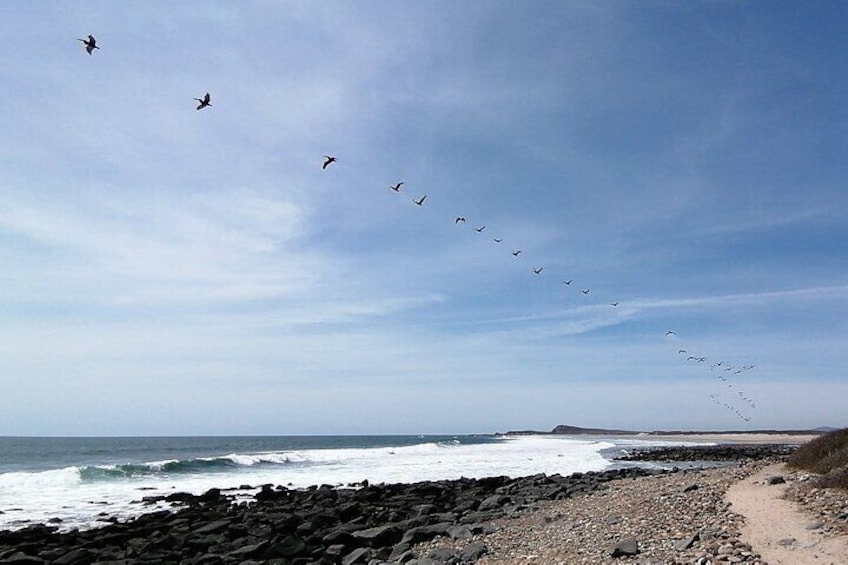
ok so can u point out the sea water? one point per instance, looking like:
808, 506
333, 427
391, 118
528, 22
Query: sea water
80, 482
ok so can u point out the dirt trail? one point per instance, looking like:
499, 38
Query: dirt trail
776, 529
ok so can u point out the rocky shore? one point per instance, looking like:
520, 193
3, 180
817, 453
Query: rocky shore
672, 517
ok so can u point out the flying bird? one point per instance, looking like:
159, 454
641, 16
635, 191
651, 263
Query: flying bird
516, 253
204, 102
567, 283
420, 201
538, 270
327, 160
497, 239
90, 44
670, 332
681, 351
396, 187
480, 229
614, 304
459, 219
586, 291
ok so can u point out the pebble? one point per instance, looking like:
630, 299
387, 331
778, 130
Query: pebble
669, 521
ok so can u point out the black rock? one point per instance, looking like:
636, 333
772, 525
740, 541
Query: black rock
289, 546
358, 555
472, 552
686, 543
380, 536
75, 556
22, 559
442, 555
625, 548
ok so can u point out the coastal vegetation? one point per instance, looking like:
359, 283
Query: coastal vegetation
826, 455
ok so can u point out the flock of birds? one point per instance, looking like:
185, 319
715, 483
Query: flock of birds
724, 371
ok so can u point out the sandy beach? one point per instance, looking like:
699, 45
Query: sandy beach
751, 512
744, 438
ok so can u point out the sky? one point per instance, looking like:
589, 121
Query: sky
172, 271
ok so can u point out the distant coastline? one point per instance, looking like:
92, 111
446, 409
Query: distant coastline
563, 429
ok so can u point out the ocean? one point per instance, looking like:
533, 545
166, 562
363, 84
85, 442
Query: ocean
80, 482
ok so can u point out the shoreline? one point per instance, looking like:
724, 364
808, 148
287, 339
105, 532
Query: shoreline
324, 524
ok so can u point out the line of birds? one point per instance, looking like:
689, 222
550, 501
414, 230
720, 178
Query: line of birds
91, 44
724, 372
586, 291
516, 252
205, 101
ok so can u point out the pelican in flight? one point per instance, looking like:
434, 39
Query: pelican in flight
614, 304
420, 201
90, 44
327, 160
538, 270
396, 187
516, 253
586, 290
459, 219
480, 229
204, 102
670, 332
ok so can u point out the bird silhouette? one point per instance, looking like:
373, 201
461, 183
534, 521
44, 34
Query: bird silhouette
480, 229
497, 239
614, 304
586, 290
396, 187
420, 201
459, 219
327, 160
90, 44
670, 332
567, 283
516, 253
538, 270
204, 102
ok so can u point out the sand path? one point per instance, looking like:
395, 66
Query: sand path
771, 522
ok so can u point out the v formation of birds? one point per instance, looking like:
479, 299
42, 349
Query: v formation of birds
722, 369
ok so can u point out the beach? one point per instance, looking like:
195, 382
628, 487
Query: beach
707, 516
627, 515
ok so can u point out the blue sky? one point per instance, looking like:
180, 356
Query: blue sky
173, 271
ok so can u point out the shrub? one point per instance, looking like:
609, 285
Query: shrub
825, 454
834, 479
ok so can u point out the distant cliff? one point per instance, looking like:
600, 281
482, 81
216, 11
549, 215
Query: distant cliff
573, 430
564, 429
576, 430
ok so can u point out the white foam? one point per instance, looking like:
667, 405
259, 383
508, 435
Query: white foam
61, 493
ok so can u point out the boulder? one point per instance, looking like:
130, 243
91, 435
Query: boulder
425, 533
472, 552
21, 558
686, 543
380, 536
358, 555
289, 546
75, 556
625, 548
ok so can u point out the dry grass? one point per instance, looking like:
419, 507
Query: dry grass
826, 455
